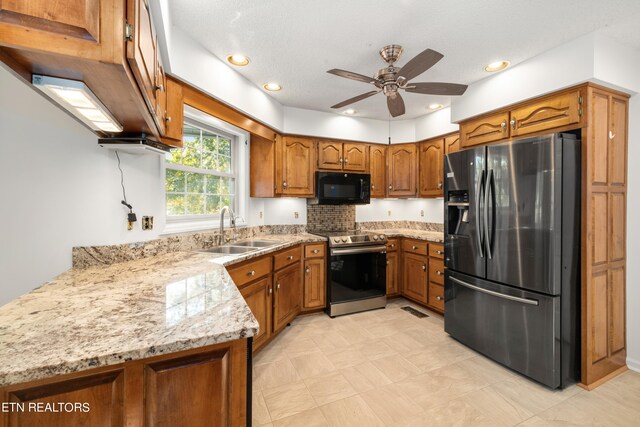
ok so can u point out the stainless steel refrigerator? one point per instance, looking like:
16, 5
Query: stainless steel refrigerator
512, 252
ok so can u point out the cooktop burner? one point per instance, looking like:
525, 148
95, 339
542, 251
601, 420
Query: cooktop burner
352, 238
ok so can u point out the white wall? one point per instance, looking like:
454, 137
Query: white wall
60, 189
434, 124
633, 237
424, 210
319, 123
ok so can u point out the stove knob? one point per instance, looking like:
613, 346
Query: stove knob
344, 240
375, 237
336, 240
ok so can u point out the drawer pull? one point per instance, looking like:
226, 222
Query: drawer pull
277, 286
290, 257
270, 291
414, 247
251, 273
424, 267
393, 245
439, 273
439, 298
440, 252
316, 251
387, 262
307, 270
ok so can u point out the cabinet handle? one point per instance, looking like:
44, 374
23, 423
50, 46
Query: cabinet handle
315, 251
424, 267
290, 257
393, 245
160, 88
440, 252
340, 160
513, 122
270, 291
439, 273
439, 298
390, 187
503, 125
611, 136
168, 119
284, 184
277, 286
346, 160
414, 247
373, 186
440, 185
307, 270
387, 262
251, 273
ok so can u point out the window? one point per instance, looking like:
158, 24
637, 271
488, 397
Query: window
201, 177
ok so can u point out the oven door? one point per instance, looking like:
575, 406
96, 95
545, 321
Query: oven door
357, 273
337, 188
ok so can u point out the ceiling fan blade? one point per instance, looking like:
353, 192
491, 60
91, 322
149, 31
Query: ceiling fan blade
436, 88
355, 99
351, 75
419, 64
396, 105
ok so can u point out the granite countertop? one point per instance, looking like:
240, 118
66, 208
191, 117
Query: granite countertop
430, 236
108, 314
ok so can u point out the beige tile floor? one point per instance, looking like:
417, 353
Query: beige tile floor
389, 368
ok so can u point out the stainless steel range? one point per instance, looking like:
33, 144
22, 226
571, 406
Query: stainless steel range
356, 271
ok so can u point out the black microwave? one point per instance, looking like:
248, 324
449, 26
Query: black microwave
339, 188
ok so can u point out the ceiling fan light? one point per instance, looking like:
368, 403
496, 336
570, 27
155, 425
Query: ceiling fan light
496, 66
272, 86
238, 60
349, 111
434, 107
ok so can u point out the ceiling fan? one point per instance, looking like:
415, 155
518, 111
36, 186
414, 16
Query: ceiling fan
391, 79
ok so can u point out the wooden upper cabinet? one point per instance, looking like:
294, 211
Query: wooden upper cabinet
431, 167
330, 155
355, 156
452, 143
485, 129
552, 112
174, 114
617, 137
142, 51
378, 170
297, 166
86, 28
161, 99
403, 168
336, 155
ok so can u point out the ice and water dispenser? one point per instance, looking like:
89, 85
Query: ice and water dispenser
457, 212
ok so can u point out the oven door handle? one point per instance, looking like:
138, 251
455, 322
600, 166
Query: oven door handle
361, 250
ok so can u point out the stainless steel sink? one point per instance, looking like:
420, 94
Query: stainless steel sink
229, 249
256, 243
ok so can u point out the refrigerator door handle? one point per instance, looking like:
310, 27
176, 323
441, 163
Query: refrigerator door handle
487, 233
479, 231
494, 293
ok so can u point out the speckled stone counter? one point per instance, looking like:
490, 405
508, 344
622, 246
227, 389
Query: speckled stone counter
108, 314
430, 236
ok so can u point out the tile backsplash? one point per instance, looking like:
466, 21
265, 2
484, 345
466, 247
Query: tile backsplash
331, 217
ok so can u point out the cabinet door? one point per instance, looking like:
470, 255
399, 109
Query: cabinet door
452, 144
297, 166
142, 51
103, 392
431, 166
287, 296
314, 295
561, 110
484, 130
330, 155
355, 157
403, 168
392, 274
161, 99
378, 169
89, 29
415, 276
174, 116
258, 296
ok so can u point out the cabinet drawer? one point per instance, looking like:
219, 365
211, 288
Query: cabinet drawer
392, 245
251, 271
436, 250
560, 110
284, 258
436, 296
317, 250
436, 271
484, 129
415, 246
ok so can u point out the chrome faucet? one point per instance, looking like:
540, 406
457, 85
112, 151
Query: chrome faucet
232, 222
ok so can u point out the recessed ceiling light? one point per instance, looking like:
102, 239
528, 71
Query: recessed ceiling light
238, 59
274, 87
433, 107
349, 111
496, 66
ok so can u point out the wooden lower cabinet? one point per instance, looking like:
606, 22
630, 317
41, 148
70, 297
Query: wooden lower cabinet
259, 297
393, 285
200, 387
287, 293
314, 291
415, 276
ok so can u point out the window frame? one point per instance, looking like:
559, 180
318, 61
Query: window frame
195, 222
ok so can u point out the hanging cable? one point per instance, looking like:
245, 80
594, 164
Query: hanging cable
131, 216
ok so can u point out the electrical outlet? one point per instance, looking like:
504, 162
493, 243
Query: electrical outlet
389, 213
296, 215
260, 214
421, 212
147, 223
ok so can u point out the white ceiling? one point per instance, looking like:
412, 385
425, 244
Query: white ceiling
294, 42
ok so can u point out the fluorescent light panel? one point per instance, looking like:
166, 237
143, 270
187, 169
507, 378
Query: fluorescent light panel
77, 98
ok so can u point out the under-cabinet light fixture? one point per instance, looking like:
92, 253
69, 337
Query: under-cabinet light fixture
79, 100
